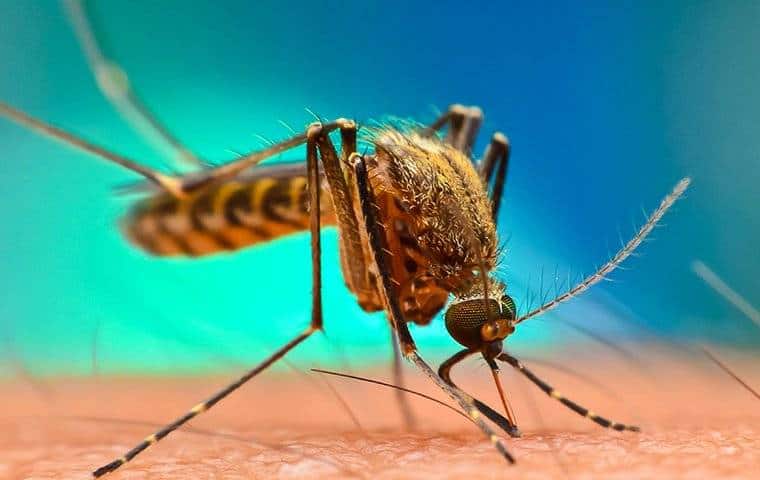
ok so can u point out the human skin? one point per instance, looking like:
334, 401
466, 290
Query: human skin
696, 423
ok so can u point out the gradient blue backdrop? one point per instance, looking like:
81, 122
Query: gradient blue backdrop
606, 106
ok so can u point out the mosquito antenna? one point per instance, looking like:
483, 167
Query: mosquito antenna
168, 183
619, 257
390, 385
730, 372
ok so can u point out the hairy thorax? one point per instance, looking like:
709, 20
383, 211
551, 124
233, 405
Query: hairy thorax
436, 217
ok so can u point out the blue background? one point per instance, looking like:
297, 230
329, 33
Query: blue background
606, 107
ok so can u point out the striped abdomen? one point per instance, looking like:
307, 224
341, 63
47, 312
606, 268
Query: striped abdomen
225, 217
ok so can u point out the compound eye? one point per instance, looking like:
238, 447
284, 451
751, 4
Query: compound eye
508, 308
465, 320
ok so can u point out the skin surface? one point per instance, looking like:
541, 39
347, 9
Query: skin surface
696, 423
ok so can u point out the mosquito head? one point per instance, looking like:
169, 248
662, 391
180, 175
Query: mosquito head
481, 323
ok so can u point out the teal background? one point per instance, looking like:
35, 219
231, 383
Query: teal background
606, 106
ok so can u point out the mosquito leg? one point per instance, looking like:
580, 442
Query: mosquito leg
409, 349
465, 137
452, 118
113, 82
353, 257
336, 171
463, 125
444, 371
312, 169
177, 186
498, 148
347, 140
199, 180
549, 390
729, 371
196, 181
493, 169
203, 406
341, 195
398, 379
170, 184
348, 225
465, 402
313, 133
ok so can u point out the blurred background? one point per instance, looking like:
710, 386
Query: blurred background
606, 108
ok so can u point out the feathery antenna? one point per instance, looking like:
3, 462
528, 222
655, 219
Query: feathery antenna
619, 257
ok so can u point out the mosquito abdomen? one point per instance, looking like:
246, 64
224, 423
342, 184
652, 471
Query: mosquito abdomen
225, 217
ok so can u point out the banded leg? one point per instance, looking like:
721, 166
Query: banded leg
508, 425
549, 390
313, 133
353, 256
113, 83
463, 125
409, 349
493, 169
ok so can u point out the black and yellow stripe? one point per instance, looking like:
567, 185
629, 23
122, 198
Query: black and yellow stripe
552, 392
224, 217
153, 438
203, 406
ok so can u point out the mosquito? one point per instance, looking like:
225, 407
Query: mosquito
417, 226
